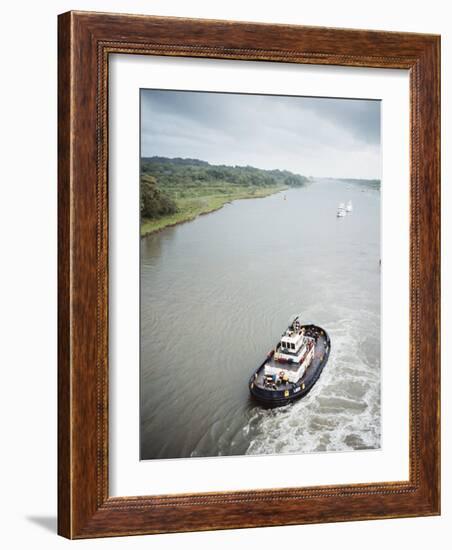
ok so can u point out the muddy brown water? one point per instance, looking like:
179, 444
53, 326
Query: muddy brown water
216, 294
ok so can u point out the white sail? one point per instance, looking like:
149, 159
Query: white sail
341, 210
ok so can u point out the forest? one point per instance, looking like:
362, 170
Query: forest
175, 189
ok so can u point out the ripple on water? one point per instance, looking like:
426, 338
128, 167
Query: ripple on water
216, 294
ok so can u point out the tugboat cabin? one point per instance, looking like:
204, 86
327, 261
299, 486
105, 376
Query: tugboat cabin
293, 366
296, 349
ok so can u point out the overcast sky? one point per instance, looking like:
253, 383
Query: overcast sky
309, 136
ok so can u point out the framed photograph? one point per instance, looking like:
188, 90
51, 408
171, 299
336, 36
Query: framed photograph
249, 263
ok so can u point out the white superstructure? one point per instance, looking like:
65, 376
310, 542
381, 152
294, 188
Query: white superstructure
293, 354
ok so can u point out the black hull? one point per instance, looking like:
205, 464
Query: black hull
293, 392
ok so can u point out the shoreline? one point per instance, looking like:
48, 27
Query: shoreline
190, 216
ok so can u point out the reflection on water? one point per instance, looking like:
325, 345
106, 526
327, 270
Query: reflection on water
216, 294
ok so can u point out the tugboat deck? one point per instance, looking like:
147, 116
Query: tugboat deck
319, 352
281, 392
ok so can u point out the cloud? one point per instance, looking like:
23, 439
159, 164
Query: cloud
311, 136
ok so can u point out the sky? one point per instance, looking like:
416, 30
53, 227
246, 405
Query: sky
320, 137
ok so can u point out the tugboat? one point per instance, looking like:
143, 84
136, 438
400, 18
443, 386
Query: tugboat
293, 367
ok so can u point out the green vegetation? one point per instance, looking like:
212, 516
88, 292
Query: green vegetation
370, 184
178, 190
154, 202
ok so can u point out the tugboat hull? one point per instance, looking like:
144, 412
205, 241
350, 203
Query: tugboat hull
289, 392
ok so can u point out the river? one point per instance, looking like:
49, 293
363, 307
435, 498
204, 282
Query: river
216, 294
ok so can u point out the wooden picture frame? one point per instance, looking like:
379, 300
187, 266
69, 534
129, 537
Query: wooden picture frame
86, 40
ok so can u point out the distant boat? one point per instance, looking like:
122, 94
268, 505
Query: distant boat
349, 207
341, 210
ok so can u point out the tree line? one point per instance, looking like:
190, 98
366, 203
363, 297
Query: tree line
164, 180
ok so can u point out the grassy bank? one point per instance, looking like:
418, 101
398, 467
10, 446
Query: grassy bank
177, 190
191, 207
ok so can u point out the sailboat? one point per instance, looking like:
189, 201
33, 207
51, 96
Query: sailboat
341, 210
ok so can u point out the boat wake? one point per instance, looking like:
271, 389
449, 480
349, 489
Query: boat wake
341, 413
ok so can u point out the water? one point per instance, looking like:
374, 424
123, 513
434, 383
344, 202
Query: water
216, 294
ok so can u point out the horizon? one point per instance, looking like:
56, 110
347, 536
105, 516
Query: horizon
271, 132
